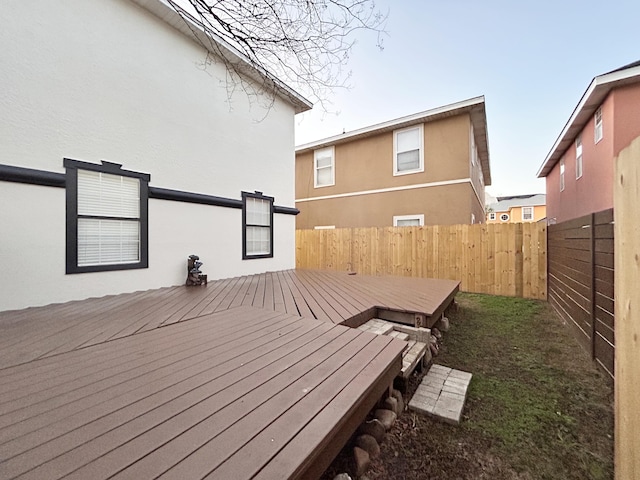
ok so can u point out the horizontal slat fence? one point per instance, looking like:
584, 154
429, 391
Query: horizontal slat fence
581, 285
499, 259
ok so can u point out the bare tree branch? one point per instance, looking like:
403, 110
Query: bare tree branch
303, 43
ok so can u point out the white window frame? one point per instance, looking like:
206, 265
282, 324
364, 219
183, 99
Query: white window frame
473, 148
420, 129
492, 215
316, 154
504, 217
400, 218
578, 157
598, 131
562, 175
530, 215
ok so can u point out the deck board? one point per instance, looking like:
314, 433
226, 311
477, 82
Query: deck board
245, 377
327, 296
185, 398
125, 397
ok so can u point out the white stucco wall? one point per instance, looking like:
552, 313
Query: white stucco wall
105, 79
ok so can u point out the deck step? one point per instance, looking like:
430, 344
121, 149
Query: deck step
399, 335
442, 393
416, 348
377, 326
412, 357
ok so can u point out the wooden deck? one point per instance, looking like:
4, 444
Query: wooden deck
243, 393
332, 297
250, 377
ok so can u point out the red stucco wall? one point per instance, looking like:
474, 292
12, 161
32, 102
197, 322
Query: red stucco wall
626, 117
593, 191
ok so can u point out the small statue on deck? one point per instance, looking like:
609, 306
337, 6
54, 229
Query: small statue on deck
194, 275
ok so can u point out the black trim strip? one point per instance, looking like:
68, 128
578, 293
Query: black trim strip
105, 167
285, 210
9, 173
189, 197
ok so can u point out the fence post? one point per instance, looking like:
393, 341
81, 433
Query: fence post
592, 252
519, 266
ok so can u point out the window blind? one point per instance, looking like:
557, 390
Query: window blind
408, 150
258, 229
108, 219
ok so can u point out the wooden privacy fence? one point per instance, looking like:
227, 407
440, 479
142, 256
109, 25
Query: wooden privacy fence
581, 286
499, 259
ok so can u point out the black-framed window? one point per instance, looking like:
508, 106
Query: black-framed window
107, 217
257, 226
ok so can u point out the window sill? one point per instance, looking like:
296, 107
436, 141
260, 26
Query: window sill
408, 172
73, 269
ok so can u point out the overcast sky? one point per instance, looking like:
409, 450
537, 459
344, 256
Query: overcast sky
532, 60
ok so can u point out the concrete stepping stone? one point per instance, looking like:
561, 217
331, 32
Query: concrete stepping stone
400, 335
377, 326
412, 357
442, 394
416, 348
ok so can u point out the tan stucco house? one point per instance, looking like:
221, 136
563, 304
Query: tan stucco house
429, 168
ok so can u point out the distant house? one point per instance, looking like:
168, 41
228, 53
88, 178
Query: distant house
429, 168
517, 208
579, 167
124, 150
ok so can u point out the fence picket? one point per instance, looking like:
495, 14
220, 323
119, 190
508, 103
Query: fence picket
499, 259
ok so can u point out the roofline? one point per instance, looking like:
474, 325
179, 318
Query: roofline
191, 27
475, 104
592, 98
395, 123
506, 209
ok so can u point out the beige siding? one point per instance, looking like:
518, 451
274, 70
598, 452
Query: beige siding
367, 164
444, 205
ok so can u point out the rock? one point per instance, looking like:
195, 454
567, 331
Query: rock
342, 476
443, 324
362, 460
374, 428
433, 340
391, 403
436, 333
398, 396
427, 357
369, 444
386, 417
455, 307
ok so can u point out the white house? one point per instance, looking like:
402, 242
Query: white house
123, 151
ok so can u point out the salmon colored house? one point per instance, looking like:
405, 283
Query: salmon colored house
429, 168
579, 167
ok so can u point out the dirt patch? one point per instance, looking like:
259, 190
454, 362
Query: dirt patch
537, 407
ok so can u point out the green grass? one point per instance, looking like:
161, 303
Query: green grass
535, 397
